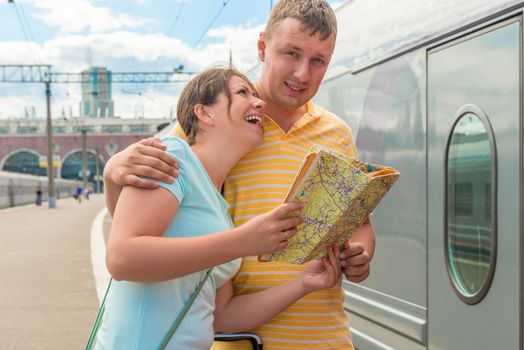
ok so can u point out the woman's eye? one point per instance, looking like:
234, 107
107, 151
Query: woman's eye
242, 91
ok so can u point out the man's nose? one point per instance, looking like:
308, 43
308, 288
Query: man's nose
302, 71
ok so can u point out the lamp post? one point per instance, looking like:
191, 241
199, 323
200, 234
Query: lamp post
84, 159
97, 170
50, 169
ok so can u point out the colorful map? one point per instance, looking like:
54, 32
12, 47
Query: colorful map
338, 197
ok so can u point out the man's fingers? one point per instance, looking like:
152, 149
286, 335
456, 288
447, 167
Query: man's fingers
355, 260
138, 182
351, 250
160, 165
357, 273
160, 155
153, 174
156, 159
154, 142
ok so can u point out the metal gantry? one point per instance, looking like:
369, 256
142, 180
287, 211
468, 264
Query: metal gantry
35, 73
41, 73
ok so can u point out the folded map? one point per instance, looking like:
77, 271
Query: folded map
339, 193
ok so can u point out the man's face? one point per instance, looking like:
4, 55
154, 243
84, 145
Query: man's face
294, 64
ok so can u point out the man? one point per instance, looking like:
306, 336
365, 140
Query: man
295, 50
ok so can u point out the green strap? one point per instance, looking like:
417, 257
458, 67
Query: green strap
94, 331
183, 313
171, 330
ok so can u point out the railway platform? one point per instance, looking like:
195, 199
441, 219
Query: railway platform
48, 298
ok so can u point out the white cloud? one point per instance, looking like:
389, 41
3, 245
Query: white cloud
152, 103
241, 40
80, 15
70, 52
20, 52
141, 52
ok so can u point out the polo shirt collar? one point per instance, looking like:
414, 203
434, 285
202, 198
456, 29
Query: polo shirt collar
313, 112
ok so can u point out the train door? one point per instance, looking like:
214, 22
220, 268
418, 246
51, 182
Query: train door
474, 190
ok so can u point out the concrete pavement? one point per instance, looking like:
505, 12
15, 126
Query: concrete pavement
47, 292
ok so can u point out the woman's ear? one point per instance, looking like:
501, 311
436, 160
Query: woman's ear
202, 115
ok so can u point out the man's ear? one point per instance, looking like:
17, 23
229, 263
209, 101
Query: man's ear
261, 44
202, 115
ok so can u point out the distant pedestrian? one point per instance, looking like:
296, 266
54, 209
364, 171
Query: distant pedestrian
78, 194
39, 196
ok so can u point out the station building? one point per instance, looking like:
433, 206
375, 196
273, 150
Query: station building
23, 143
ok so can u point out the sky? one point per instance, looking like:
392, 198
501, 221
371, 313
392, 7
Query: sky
124, 36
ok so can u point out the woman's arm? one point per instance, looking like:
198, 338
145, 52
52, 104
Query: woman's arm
136, 250
248, 311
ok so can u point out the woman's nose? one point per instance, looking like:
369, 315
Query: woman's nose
259, 104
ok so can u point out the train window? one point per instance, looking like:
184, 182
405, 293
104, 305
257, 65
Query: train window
470, 228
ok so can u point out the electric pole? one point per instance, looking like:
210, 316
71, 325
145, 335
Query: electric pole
50, 169
84, 160
97, 171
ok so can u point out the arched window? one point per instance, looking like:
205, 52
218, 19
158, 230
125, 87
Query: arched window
72, 166
24, 162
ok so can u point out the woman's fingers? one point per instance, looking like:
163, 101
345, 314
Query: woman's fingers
282, 210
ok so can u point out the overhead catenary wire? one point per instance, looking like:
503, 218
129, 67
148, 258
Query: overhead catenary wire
224, 4
172, 28
26, 29
175, 21
182, 62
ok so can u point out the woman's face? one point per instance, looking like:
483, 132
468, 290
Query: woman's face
242, 123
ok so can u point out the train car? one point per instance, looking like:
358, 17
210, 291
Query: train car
434, 89
19, 189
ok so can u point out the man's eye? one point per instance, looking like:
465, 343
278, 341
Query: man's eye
292, 54
318, 61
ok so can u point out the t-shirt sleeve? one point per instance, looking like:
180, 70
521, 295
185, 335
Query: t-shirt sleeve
225, 272
177, 150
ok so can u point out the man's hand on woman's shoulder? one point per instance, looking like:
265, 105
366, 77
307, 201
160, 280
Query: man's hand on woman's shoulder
145, 158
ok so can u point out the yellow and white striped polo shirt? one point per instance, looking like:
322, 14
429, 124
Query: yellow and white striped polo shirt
259, 183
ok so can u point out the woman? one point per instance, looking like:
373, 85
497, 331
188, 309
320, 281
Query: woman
163, 241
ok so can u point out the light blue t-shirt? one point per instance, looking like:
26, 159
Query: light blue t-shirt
138, 315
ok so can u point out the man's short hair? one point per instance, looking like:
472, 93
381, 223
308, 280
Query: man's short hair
315, 15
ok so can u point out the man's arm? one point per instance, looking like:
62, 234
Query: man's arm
358, 252
145, 158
